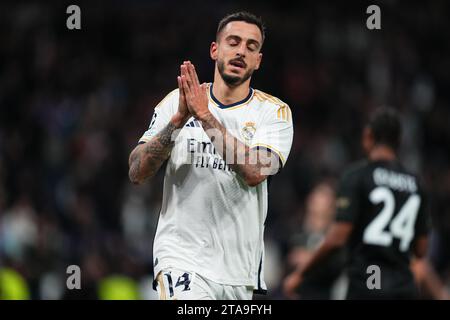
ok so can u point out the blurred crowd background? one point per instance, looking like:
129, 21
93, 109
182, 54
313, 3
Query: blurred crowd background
73, 104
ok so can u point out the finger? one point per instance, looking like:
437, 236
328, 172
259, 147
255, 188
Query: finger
193, 75
183, 69
204, 87
186, 88
189, 73
188, 79
180, 87
195, 85
186, 66
202, 90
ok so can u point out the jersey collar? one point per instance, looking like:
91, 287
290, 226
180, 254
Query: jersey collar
227, 106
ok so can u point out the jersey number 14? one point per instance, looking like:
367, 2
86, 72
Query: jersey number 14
401, 226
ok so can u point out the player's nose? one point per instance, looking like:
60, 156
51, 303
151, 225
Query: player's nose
241, 50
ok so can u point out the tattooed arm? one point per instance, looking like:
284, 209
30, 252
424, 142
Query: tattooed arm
253, 165
146, 159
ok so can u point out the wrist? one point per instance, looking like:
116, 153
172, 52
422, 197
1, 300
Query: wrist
204, 117
179, 120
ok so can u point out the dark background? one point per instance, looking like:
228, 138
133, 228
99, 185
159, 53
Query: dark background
73, 104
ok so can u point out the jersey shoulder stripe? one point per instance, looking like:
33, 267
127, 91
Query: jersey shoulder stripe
262, 96
170, 95
282, 109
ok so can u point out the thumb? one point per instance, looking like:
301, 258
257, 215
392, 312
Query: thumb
204, 85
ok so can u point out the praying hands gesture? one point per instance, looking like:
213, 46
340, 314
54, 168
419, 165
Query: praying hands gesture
256, 165
192, 92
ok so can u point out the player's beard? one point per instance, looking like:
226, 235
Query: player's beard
230, 80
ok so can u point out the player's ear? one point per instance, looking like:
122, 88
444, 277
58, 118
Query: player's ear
213, 50
258, 62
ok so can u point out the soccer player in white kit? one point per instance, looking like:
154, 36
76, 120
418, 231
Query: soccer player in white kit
222, 140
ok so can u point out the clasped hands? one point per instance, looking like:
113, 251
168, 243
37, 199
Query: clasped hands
193, 99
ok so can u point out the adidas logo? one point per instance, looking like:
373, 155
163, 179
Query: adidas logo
193, 123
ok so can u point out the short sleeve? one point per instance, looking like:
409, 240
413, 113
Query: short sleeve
161, 116
276, 134
347, 199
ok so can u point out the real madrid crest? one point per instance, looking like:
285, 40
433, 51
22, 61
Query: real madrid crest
248, 131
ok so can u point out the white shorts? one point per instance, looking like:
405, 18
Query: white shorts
174, 284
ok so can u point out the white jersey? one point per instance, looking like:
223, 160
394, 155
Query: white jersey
211, 222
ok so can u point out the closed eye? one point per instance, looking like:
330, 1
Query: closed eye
252, 45
233, 40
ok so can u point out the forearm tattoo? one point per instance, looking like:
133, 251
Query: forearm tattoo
248, 165
145, 162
